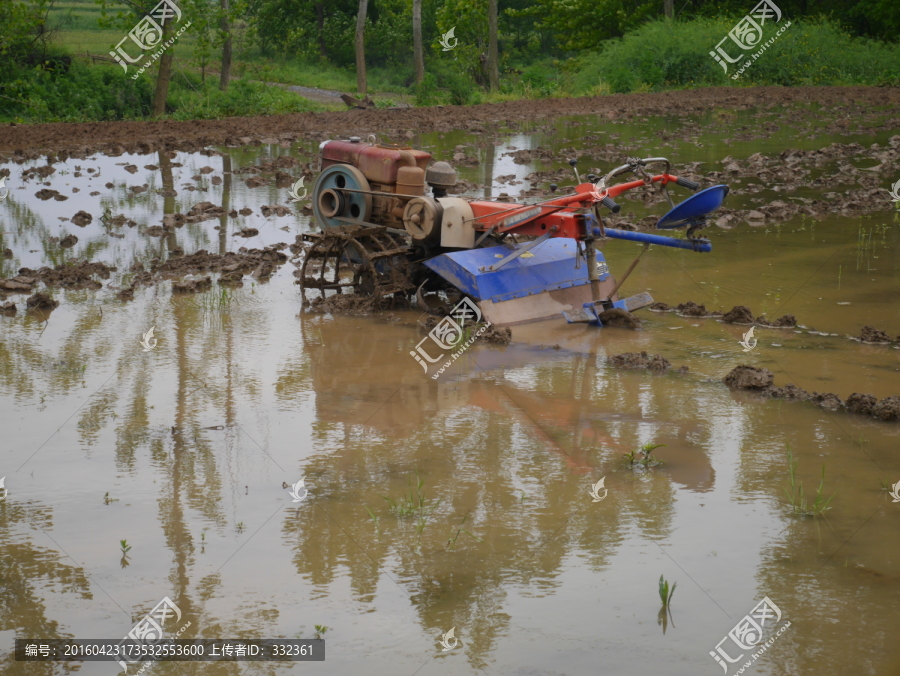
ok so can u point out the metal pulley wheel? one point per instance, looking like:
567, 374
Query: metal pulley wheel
334, 206
422, 220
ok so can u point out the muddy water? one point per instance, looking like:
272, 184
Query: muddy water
183, 450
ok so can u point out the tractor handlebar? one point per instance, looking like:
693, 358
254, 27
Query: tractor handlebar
610, 204
687, 183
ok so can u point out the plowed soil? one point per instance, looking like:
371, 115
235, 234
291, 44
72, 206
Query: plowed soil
117, 137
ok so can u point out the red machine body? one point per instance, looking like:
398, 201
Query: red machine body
378, 163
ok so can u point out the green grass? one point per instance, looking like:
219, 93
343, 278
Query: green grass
101, 41
643, 456
665, 592
799, 504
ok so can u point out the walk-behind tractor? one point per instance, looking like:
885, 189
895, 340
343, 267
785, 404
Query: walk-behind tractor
383, 235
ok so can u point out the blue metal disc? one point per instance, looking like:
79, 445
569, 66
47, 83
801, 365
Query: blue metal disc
694, 207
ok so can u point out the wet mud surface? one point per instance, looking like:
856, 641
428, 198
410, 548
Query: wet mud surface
198, 134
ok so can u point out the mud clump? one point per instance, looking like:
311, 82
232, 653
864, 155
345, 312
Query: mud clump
7, 253
745, 377
619, 318
790, 392
783, 322
347, 304
739, 314
203, 212
20, 283
633, 360
887, 409
192, 285
275, 210
173, 220
828, 401
68, 241
41, 301
247, 232
261, 261
46, 194
76, 275
8, 309
118, 221
494, 335
660, 307
233, 278
870, 334
246, 211
156, 231
691, 309
82, 218
864, 404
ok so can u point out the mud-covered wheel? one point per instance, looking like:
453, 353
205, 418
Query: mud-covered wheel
367, 261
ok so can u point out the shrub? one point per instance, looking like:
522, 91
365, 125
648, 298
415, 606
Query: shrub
73, 94
660, 55
243, 98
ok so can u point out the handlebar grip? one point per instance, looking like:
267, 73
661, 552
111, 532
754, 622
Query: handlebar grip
610, 204
687, 183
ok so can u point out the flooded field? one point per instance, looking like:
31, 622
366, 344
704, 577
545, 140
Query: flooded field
141, 467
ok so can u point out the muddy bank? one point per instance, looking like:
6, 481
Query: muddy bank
743, 315
261, 263
761, 380
78, 140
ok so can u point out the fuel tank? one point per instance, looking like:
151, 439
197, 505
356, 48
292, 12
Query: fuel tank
378, 163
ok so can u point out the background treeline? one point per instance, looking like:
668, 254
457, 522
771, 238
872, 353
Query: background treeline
57, 64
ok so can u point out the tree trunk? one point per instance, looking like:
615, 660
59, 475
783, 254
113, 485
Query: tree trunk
226, 48
361, 48
493, 58
165, 73
669, 8
418, 56
320, 28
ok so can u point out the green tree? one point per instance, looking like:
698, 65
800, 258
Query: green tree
581, 25
127, 13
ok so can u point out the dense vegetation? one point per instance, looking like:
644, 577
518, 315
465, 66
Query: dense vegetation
60, 71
